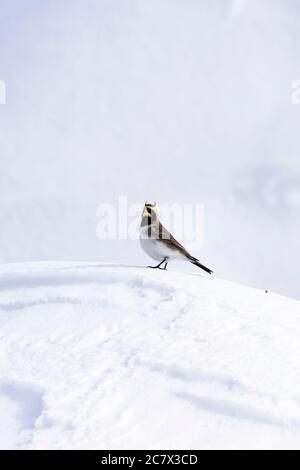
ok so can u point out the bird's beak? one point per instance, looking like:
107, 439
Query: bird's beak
145, 213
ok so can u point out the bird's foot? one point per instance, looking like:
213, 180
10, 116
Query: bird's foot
159, 265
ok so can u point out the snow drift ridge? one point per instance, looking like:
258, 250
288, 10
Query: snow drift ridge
102, 356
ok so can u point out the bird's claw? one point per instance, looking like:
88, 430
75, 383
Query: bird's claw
157, 267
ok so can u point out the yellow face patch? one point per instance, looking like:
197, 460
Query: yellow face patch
148, 211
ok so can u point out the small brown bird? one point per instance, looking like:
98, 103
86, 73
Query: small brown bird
159, 244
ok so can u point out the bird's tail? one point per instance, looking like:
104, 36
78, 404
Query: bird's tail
196, 262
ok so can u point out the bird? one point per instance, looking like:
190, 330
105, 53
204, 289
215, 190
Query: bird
159, 244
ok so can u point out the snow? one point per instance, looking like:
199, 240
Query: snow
105, 356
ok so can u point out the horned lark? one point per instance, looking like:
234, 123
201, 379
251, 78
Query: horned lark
159, 244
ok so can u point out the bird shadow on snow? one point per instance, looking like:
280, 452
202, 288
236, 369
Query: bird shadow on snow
28, 398
225, 408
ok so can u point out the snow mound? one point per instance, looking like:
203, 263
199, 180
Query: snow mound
105, 357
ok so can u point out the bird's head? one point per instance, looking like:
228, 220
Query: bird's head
149, 212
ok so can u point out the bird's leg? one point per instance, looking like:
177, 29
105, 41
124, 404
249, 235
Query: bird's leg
165, 266
159, 265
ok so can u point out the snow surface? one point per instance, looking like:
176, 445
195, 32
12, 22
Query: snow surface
104, 356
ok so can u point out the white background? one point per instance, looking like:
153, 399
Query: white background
173, 101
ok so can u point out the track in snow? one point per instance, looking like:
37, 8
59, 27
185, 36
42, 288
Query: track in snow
98, 356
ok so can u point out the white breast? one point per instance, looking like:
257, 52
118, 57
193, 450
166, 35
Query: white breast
149, 245
156, 249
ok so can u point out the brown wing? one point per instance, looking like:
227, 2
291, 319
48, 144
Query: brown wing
159, 232
169, 240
